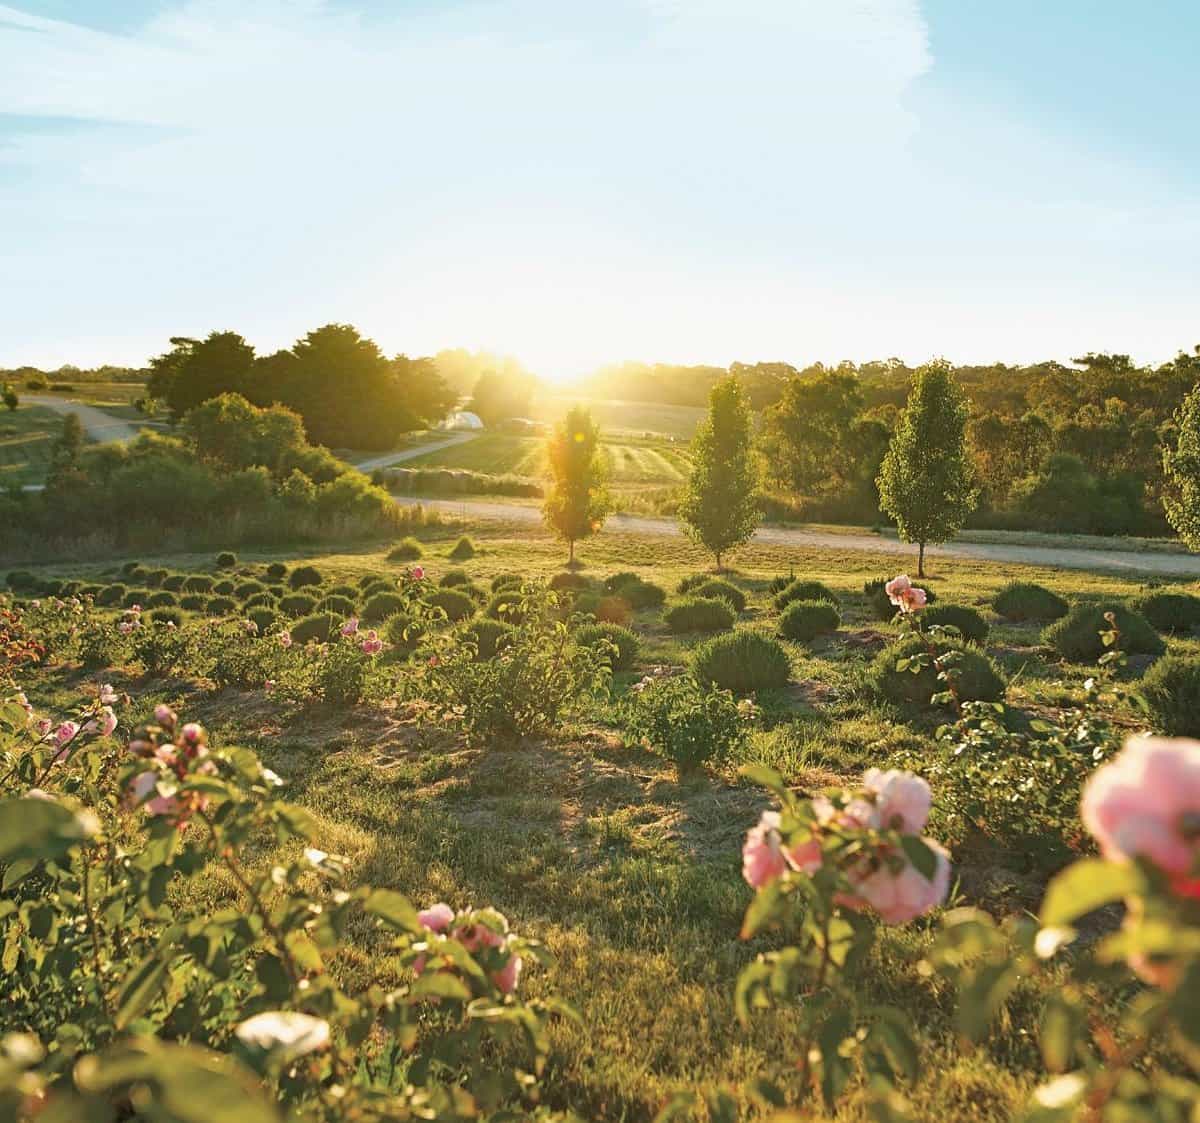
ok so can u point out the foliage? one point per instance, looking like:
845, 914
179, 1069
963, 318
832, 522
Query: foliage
455, 604
578, 502
926, 481
641, 594
966, 621
1022, 600
297, 604
304, 575
319, 627
1171, 692
804, 620
226, 559
718, 508
800, 590
700, 614
1077, 636
685, 722
452, 578
742, 661
899, 675
408, 549
624, 645
1181, 468
725, 590
463, 550
488, 637
1170, 612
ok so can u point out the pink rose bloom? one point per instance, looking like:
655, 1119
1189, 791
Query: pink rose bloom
124, 627
417, 572
902, 800
350, 626
134, 609
251, 627
43, 726
509, 975
762, 852
107, 695
437, 918
141, 786
192, 733
269, 685
108, 721
285, 639
65, 733
903, 895
1146, 804
912, 600
164, 715
163, 805
897, 587
372, 645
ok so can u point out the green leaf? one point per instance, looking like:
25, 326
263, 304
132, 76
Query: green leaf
921, 856
140, 988
1086, 886
394, 909
679, 1106
440, 984
40, 828
298, 821
765, 777
761, 909
1061, 1023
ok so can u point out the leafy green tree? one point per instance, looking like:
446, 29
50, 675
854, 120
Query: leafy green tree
222, 363
578, 501
1181, 466
807, 434
926, 482
229, 431
500, 395
719, 509
10, 398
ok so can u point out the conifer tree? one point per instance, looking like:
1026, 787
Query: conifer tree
578, 501
719, 509
927, 482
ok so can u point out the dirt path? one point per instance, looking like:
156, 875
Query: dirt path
97, 424
1122, 561
390, 458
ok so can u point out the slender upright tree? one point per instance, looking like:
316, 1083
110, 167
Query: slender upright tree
578, 501
927, 481
719, 509
1181, 467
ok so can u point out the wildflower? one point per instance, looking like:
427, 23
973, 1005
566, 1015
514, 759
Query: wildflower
285, 639
350, 627
372, 645
65, 733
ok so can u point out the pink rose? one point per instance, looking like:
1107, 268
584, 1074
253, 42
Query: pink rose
437, 918
902, 894
164, 715
192, 733
509, 975
43, 726
902, 800
269, 685
762, 852
107, 695
65, 733
912, 600
141, 786
897, 587
125, 627
350, 626
417, 573
372, 645
108, 721
251, 627
1146, 804
285, 639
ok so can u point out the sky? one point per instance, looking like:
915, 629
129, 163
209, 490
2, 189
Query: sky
577, 183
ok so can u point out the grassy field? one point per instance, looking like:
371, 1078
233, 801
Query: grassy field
625, 419
628, 872
26, 438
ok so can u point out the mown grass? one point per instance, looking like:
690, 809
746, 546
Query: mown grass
26, 439
630, 874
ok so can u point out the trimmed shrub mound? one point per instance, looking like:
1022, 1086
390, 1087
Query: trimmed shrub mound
193, 602
1077, 636
507, 605
297, 604
455, 604
348, 591
626, 642
977, 677
723, 590
198, 583
804, 620
504, 581
569, 582
489, 637
110, 596
778, 584
248, 589
21, 579
690, 583
173, 582
155, 577
804, 590
226, 559
276, 571
304, 575
343, 606
318, 627
129, 567
1171, 691
220, 606
135, 596
607, 610
700, 614
167, 616
464, 548
1170, 612
403, 631
260, 600
264, 619
972, 626
380, 606
1022, 600
161, 599
372, 585
224, 588
615, 582
407, 549
454, 577
742, 661
643, 594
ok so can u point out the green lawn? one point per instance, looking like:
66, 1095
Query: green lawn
629, 873
26, 438
625, 419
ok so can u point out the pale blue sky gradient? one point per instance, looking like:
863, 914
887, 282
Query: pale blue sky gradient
576, 183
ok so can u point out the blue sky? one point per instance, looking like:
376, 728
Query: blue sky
577, 183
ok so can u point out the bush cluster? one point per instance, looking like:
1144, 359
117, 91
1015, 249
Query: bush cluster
1077, 637
700, 614
742, 661
804, 620
1022, 600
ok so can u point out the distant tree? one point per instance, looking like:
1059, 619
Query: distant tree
578, 501
64, 456
501, 395
806, 435
164, 368
718, 509
926, 482
223, 363
426, 396
1181, 467
10, 398
229, 431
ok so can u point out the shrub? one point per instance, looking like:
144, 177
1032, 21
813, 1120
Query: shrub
804, 590
976, 678
969, 622
685, 722
1170, 612
226, 559
129, 567
690, 583
317, 627
348, 591
464, 548
344, 606
506, 581
380, 606
135, 596
569, 582
276, 571
248, 589
111, 596
155, 577
198, 583
778, 584
615, 582
405, 631
1022, 600
161, 599
220, 606
193, 602
804, 620
489, 637
372, 585
723, 590
455, 604
137, 573
1077, 636
643, 594
626, 643
1171, 691
304, 575
21, 579
507, 605
259, 600
167, 616
742, 661
454, 577
408, 549
173, 582
700, 614
264, 619
297, 604
607, 610
224, 588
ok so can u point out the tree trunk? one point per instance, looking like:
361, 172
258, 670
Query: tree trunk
921, 560
571, 552
718, 563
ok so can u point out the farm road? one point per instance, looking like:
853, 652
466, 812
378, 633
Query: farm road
97, 424
1122, 561
390, 458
